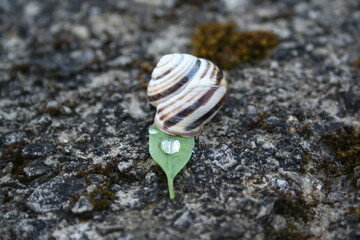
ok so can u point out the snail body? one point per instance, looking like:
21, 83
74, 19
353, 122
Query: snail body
187, 92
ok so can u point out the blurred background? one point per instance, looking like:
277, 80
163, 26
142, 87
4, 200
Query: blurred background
279, 161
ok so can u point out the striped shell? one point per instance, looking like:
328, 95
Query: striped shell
187, 92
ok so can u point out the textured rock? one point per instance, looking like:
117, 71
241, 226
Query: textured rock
54, 194
13, 137
83, 205
184, 220
74, 119
38, 149
35, 170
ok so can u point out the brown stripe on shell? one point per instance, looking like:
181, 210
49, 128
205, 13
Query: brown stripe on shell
173, 78
203, 118
179, 107
171, 69
177, 85
164, 74
206, 69
219, 77
176, 75
213, 73
174, 132
169, 60
174, 102
187, 111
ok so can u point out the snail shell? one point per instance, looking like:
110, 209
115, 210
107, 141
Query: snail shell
187, 92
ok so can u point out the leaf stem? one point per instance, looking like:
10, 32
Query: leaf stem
171, 188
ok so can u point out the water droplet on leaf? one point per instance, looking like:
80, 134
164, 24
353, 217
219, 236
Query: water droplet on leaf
170, 146
152, 130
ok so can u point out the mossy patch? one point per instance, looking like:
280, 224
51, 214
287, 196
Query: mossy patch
296, 212
293, 207
145, 67
101, 198
52, 111
304, 161
354, 211
227, 48
13, 154
6, 198
304, 131
345, 143
291, 232
110, 171
259, 122
357, 63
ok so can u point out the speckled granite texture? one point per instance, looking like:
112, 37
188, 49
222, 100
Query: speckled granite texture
74, 121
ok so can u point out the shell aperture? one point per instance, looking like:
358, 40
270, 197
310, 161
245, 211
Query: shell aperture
187, 92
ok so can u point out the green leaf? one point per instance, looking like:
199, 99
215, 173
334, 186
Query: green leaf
171, 163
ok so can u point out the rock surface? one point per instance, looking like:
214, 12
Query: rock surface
74, 121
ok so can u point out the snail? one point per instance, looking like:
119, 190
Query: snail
187, 92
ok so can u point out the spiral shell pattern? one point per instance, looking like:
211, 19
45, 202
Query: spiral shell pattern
187, 92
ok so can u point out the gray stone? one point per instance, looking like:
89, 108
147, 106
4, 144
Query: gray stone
335, 197
8, 167
353, 235
83, 205
223, 157
38, 149
5, 5
34, 228
54, 194
228, 230
35, 170
120, 61
126, 199
357, 171
184, 220
279, 222
83, 138
14, 136
125, 165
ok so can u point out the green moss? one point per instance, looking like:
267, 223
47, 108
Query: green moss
304, 131
52, 111
13, 154
357, 63
73, 199
101, 198
296, 212
354, 211
227, 48
293, 208
6, 197
291, 232
110, 171
304, 161
345, 144
260, 123
145, 68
